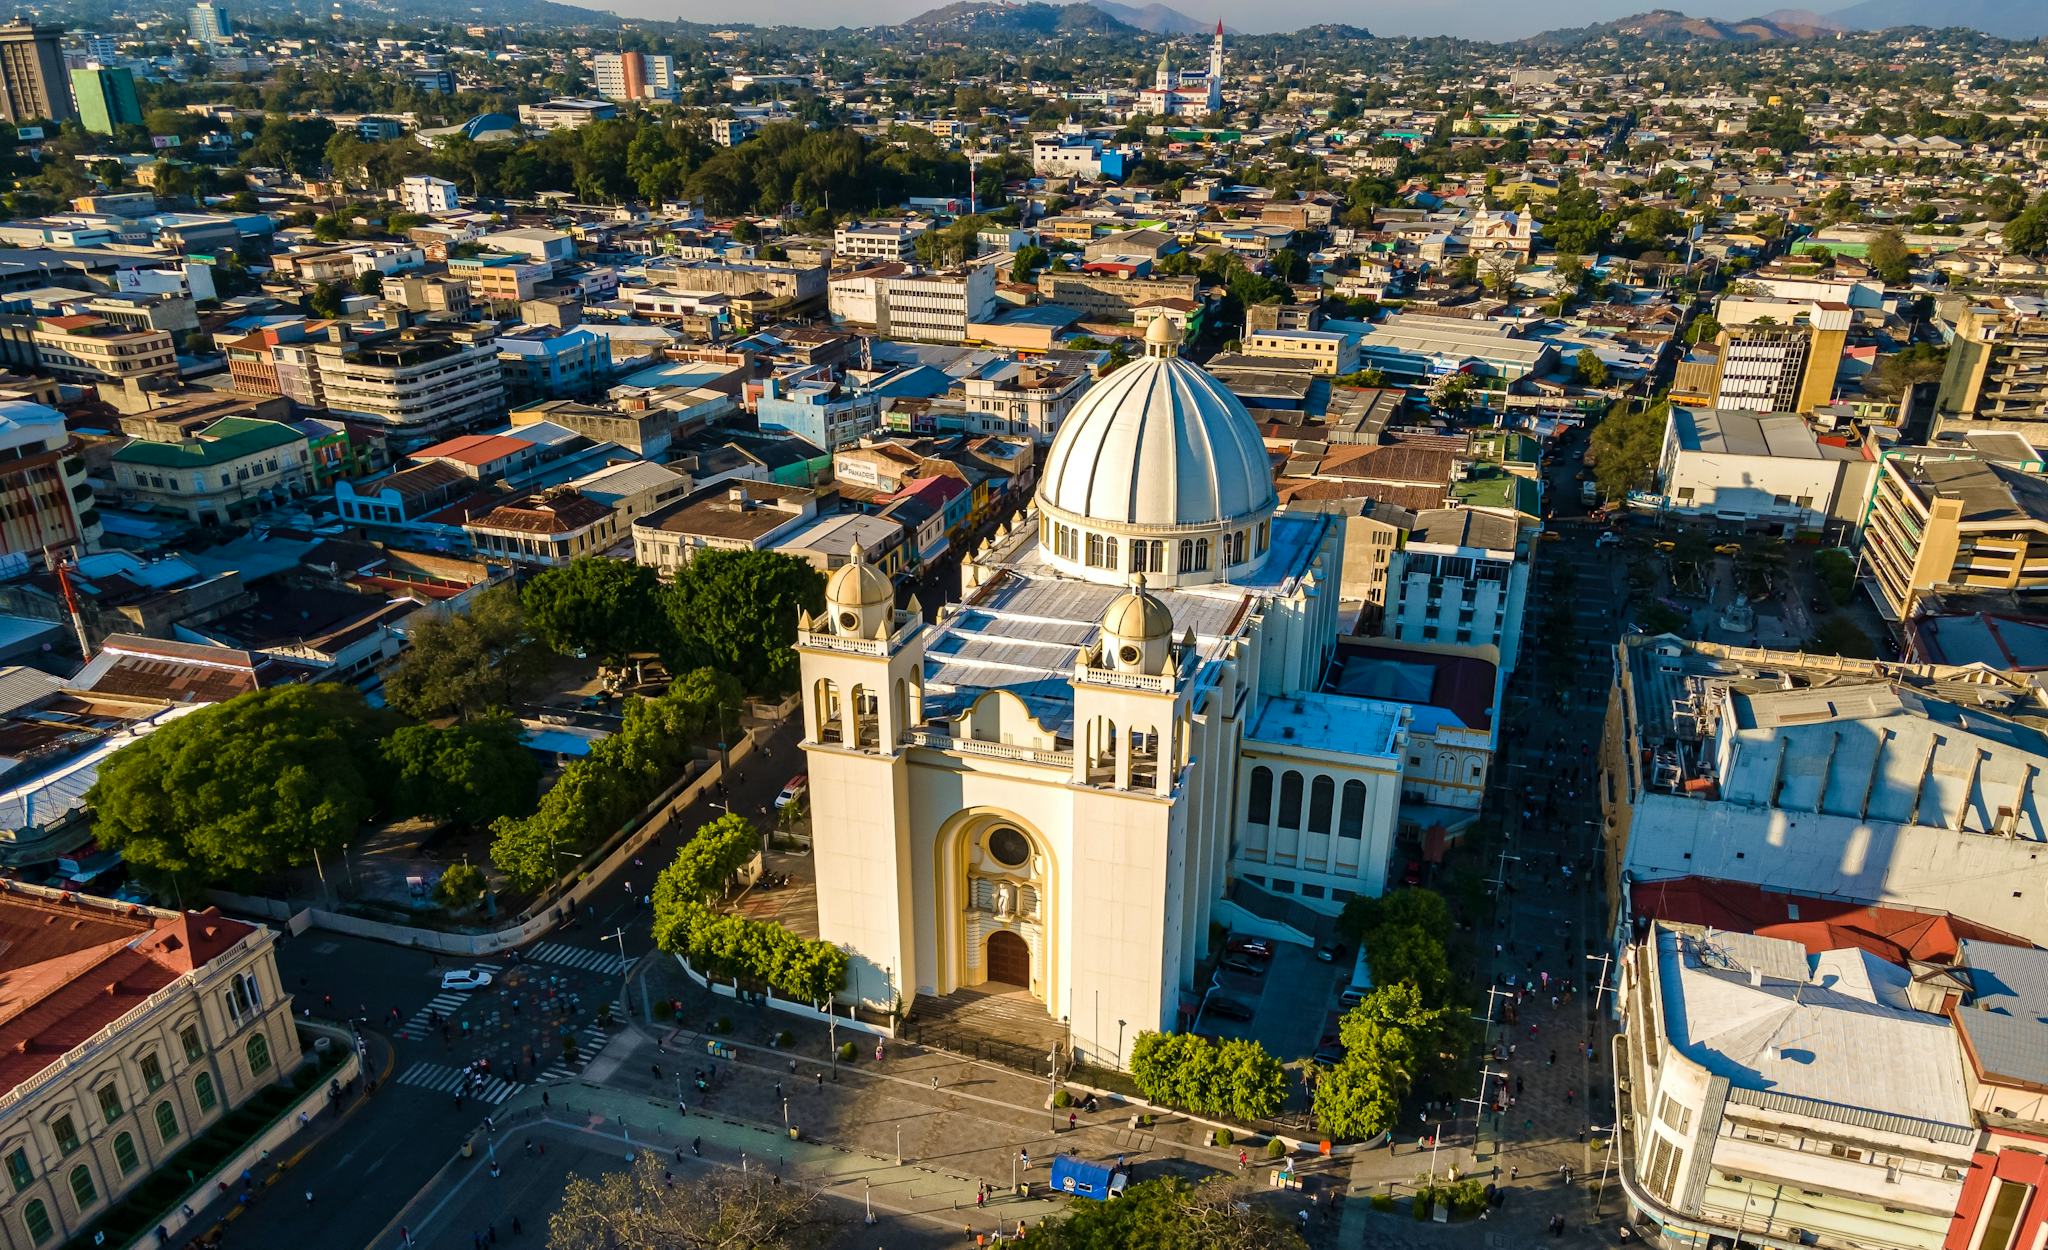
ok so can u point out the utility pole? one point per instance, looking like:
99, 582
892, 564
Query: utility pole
1604, 960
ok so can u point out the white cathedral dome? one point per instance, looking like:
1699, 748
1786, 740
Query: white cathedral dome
1161, 452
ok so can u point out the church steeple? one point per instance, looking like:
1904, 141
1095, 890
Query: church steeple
1163, 80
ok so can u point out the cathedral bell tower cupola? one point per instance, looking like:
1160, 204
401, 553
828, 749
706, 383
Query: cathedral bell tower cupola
858, 599
1162, 339
1137, 632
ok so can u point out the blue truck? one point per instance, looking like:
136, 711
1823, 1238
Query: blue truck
1083, 1179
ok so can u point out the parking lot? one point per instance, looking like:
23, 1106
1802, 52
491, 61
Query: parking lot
1290, 1001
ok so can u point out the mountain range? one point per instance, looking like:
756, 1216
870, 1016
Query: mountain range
998, 17
2008, 19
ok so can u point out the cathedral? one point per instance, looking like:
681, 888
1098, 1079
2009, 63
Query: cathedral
1052, 790
1176, 93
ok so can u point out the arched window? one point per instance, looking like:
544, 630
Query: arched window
1187, 555
1322, 793
1201, 553
1260, 810
1109, 546
1290, 800
1094, 551
35, 1220
1264, 534
1351, 818
124, 1153
202, 1089
259, 1055
83, 1191
166, 1122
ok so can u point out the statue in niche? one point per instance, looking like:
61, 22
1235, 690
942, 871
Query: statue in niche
1006, 900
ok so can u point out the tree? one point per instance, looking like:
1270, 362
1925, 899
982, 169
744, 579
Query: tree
1897, 371
325, 300
2027, 234
460, 665
1889, 256
1453, 393
460, 886
370, 282
1238, 1078
1356, 1100
1499, 270
1027, 261
1169, 1214
1625, 447
1837, 572
258, 783
471, 773
640, 1209
1590, 369
599, 607
736, 611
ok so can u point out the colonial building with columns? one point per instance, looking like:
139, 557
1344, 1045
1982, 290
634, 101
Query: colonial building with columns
1118, 737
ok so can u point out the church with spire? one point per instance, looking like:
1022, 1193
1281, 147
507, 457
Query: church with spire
1044, 798
1186, 93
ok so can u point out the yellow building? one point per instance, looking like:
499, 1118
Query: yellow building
131, 1032
1970, 522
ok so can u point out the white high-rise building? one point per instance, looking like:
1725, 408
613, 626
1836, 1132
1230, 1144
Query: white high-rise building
625, 76
424, 193
209, 22
1120, 737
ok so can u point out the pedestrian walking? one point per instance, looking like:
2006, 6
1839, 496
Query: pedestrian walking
1244, 1161
516, 1230
935, 1085
309, 1197
1072, 1120
697, 1147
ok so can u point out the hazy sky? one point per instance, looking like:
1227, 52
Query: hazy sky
1484, 19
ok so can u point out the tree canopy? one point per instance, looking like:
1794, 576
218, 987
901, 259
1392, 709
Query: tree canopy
1169, 1214
1625, 447
736, 611
639, 1208
596, 606
246, 787
468, 773
462, 664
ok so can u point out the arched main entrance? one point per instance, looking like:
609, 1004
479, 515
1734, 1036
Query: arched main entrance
1009, 959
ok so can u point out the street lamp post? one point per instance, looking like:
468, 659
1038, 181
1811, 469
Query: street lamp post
899, 1145
1119, 1045
1606, 1158
832, 1035
1052, 1086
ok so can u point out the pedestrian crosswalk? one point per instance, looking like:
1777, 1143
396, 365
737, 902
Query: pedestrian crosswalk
604, 963
588, 1043
443, 1004
443, 1079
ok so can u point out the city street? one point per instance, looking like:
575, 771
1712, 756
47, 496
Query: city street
414, 1124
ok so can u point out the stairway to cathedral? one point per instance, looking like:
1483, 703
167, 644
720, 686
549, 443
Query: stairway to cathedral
1006, 1026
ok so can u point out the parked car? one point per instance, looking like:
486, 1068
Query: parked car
1608, 538
794, 791
1228, 1008
1336, 954
465, 979
1246, 964
1261, 947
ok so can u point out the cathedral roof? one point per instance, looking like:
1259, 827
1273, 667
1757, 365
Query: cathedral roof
1159, 442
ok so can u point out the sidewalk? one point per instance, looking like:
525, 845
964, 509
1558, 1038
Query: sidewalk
463, 1194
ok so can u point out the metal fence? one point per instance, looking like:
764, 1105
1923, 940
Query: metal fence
973, 1044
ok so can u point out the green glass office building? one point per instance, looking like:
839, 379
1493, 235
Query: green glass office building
106, 99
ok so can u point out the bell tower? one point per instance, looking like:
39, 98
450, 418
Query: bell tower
862, 674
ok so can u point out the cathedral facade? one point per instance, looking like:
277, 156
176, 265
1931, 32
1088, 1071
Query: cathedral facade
1055, 789
1186, 93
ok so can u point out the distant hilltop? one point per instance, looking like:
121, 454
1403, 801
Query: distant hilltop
993, 17
2006, 19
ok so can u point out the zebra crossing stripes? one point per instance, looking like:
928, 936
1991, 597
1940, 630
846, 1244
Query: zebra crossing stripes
443, 1079
604, 963
447, 1002
587, 1046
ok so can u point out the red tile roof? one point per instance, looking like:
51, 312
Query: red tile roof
69, 969
476, 449
1818, 924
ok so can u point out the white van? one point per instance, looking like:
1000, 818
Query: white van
1361, 982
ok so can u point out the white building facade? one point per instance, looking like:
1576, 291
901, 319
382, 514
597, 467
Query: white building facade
427, 195
1042, 794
